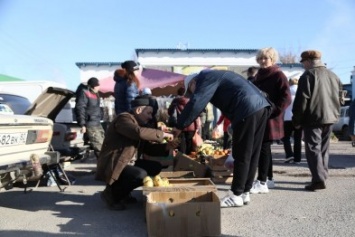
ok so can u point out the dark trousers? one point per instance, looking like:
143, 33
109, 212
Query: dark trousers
265, 162
132, 177
297, 141
317, 150
247, 139
186, 145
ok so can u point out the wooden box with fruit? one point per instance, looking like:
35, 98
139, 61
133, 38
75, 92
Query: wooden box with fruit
163, 184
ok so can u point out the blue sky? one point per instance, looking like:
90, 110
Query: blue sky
42, 39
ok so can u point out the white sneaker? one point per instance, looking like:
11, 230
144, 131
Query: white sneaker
246, 198
231, 200
259, 188
270, 183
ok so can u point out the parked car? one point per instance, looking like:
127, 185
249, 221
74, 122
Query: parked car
341, 128
25, 141
67, 138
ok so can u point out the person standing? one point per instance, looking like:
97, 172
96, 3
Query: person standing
126, 86
246, 108
88, 114
147, 92
120, 165
206, 122
315, 109
273, 83
227, 140
251, 73
177, 105
292, 155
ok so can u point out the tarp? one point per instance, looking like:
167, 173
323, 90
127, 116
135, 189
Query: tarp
160, 82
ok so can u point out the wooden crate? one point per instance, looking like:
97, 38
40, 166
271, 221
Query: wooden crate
177, 174
184, 185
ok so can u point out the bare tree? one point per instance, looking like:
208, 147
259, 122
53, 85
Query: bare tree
288, 57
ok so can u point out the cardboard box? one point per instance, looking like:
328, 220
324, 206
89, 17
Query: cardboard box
217, 162
183, 214
185, 163
177, 174
223, 180
184, 185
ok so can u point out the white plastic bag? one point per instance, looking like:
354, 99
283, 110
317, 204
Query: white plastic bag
217, 132
229, 163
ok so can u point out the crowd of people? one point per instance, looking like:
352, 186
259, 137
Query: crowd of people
255, 112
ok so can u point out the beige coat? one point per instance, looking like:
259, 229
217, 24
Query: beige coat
123, 138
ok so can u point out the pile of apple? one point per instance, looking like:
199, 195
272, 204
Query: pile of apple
157, 181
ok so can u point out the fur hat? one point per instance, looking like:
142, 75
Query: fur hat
310, 54
130, 65
93, 82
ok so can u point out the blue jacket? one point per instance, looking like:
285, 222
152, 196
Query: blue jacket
236, 97
124, 94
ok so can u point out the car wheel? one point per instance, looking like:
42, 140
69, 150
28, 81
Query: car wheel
345, 133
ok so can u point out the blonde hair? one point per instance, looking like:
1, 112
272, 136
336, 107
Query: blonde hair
268, 52
293, 81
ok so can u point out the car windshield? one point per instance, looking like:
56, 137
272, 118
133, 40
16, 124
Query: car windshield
18, 104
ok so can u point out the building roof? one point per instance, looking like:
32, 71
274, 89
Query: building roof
83, 64
196, 50
9, 78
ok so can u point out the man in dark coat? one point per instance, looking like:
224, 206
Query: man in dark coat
248, 110
316, 108
120, 165
88, 114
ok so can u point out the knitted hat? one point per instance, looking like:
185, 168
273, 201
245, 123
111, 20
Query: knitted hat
93, 82
310, 54
142, 101
146, 91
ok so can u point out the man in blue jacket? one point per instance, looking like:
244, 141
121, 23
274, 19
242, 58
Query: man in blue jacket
248, 110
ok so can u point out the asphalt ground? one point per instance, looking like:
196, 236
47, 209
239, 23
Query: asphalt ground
288, 210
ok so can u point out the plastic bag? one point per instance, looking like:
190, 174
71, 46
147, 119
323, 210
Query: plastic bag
217, 132
229, 163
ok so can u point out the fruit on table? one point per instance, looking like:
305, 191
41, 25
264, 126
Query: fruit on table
158, 181
148, 182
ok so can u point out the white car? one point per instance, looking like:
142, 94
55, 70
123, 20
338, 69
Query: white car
25, 139
341, 128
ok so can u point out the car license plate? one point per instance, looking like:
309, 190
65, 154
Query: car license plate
11, 139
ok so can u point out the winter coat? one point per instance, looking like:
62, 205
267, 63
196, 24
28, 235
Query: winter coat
125, 138
274, 83
318, 97
87, 108
178, 104
233, 95
124, 93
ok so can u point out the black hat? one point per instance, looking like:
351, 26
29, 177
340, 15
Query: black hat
92, 82
130, 65
142, 101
